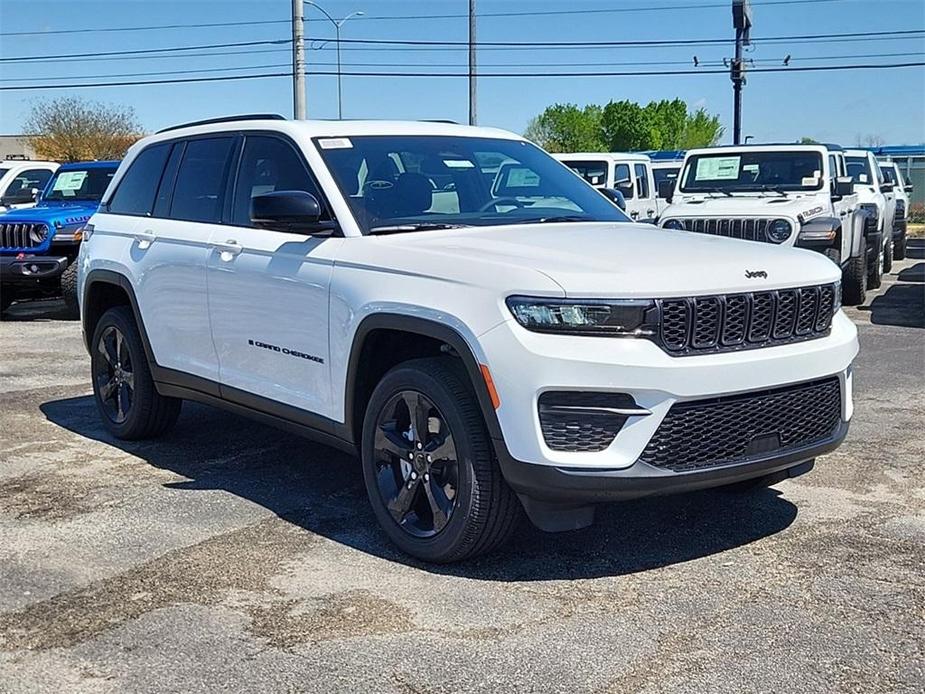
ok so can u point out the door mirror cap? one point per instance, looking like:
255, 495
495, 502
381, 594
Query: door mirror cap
665, 190
293, 211
886, 187
844, 185
615, 196
21, 197
908, 188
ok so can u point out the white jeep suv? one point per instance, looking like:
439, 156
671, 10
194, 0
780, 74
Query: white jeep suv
486, 346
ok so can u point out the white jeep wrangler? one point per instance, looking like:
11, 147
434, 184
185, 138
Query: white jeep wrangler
877, 196
630, 175
487, 346
786, 195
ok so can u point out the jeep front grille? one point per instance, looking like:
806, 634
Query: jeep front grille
15, 235
749, 229
734, 429
745, 321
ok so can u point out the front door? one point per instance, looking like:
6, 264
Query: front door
268, 290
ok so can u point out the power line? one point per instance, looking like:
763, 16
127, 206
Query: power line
387, 44
708, 62
485, 15
649, 73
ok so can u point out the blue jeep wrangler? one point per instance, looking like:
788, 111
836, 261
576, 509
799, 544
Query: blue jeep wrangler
38, 246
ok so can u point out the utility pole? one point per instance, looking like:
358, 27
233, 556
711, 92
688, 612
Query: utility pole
473, 118
742, 22
298, 62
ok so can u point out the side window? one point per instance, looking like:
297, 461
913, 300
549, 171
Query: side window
168, 180
29, 179
136, 191
642, 181
833, 168
622, 180
198, 192
267, 164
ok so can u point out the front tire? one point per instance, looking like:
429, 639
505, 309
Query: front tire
69, 289
854, 278
888, 257
428, 465
127, 400
875, 270
899, 248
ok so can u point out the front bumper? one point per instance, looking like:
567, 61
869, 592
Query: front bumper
31, 269
524, 365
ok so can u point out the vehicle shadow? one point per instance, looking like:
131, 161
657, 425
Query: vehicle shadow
903, 304
38, 310
321, 490
915, 249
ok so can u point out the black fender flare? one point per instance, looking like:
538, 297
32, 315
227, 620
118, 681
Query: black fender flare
428, 328
822, 225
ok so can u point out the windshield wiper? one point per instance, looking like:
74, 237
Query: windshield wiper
773, 189
416, 226
721, 191
556, 218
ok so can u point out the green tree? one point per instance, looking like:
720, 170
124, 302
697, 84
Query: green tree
567, 128
626, 126
807, 141
700, 130
667, 121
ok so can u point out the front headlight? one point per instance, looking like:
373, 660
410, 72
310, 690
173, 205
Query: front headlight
837, 304
69, 233
675, 224
779, 230
606, 318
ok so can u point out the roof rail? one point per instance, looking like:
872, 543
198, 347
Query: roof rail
439, 120
225, 119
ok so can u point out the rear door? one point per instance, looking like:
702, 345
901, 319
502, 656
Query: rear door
624, 181
268, 290
170, 251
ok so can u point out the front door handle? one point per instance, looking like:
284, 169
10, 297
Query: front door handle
229, 249
145, 239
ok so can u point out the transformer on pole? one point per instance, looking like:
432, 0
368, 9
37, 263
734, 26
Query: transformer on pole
742, 22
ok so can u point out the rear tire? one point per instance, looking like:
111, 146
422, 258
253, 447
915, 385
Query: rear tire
453, 506
69, 289
899, 249
127, 400
854, 278
875, 269
888, 257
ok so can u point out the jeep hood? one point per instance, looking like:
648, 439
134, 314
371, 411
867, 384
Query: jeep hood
602, 259
60, 214
805, 205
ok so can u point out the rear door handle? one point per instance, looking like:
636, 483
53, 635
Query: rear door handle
229, 249
145, 239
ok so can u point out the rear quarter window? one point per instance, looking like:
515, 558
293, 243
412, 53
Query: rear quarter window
136, 191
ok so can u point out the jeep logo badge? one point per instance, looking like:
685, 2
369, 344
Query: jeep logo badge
752, 274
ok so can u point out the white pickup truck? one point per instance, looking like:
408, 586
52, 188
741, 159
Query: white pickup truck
629, 174
781, 195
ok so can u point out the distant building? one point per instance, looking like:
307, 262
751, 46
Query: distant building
15, 147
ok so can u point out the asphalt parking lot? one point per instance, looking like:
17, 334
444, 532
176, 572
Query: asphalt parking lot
234, 557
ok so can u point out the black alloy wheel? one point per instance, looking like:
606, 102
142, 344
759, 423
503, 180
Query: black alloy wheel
417, 469
114, 375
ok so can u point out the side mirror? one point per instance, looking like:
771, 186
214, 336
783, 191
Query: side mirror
615, 196
886, 187
908, 188
293, 211
21, 197
844, 185
665, 190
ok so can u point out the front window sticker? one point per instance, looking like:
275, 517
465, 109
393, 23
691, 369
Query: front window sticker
335, 143
459, 164
69, 181
718, 168
522, 178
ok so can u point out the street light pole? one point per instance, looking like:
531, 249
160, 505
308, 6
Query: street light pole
337, 25
298, 62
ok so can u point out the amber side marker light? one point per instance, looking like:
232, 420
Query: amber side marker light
490, 384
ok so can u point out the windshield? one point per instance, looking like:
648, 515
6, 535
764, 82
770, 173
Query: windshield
728, 172
80, 184
404, 183
594, 172
859, 169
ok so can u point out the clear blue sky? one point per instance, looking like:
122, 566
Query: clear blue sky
830, 106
